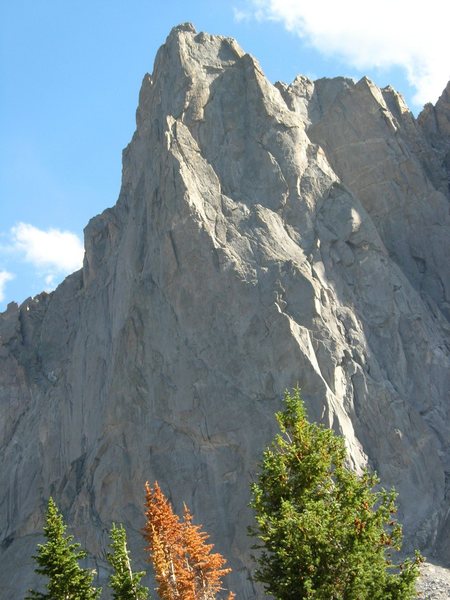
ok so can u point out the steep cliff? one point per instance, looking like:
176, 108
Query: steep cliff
264, 236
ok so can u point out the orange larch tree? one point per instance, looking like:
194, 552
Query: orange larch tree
185, 568
204, 569
162, 532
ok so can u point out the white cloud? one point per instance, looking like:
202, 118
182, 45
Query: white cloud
383, 34
5, 276
50, 281
52, 252
241, 15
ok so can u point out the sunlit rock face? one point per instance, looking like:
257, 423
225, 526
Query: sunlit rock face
265, 236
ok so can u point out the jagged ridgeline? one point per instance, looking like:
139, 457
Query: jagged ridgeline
265, 236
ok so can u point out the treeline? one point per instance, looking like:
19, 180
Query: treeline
184, 564
323, 533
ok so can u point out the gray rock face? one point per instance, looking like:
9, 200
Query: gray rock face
264, 236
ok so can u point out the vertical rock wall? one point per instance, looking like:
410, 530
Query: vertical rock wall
265, 236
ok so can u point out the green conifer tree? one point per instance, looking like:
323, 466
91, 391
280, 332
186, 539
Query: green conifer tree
324, 532
58, 560
124, 583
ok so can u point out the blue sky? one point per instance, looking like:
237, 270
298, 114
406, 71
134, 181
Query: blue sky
70, 77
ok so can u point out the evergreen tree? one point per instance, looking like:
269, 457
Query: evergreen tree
58, 560
124, 583
324, 532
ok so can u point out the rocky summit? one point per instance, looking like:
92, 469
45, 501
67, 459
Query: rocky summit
265, 236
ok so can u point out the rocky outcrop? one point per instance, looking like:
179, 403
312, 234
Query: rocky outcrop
435, 122
264, 236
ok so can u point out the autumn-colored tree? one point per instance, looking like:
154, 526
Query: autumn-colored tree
185, 568
162, 532
205, 569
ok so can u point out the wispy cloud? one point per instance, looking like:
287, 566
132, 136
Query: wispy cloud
241, 15
382, 34
5, 276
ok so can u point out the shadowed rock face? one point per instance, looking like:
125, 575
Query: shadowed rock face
264, 236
